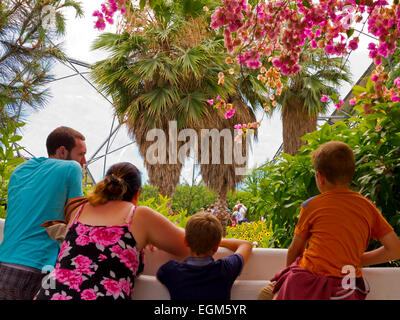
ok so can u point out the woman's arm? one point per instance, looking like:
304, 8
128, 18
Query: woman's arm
151, 227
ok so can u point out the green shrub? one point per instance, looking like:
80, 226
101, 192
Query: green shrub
375, 139
8, 160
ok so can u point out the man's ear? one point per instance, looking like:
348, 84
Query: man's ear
61, 153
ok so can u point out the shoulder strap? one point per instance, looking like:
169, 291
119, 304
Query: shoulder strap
130, 215
79, 213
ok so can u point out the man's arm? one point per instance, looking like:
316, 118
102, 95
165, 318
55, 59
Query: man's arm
296, 249
388, 252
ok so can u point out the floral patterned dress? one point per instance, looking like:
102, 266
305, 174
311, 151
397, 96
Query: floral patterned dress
95, 263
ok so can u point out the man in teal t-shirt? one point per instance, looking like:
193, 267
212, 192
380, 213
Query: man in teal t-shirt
38, 191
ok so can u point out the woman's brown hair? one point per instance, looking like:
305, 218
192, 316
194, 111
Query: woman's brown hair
122, 182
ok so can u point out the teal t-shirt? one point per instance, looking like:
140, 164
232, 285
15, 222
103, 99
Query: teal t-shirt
38, 191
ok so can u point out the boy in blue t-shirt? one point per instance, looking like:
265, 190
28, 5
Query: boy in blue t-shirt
199, 277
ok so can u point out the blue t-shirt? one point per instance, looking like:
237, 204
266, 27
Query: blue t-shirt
201, 278
38, 191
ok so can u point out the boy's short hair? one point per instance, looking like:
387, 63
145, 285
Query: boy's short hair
203, 232
335, 160
62, 136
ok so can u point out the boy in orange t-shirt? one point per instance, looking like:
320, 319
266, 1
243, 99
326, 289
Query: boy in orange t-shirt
337, 225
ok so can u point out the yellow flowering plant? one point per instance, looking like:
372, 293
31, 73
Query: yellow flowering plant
257, 232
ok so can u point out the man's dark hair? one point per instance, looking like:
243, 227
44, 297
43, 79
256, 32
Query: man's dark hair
62, 136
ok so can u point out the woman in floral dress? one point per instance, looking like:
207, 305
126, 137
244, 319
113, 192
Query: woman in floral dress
102, 253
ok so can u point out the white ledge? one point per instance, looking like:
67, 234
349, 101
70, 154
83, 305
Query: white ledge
262, 265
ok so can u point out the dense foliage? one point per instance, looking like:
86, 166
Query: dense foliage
193, 198
373, 133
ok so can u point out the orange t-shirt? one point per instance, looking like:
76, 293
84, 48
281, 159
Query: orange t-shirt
338, 226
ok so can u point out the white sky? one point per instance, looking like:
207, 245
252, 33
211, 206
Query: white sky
76, 104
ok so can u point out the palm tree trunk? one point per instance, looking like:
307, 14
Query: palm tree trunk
222, 205
296, 122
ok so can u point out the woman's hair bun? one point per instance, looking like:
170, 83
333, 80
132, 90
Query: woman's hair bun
122, 182
115, 185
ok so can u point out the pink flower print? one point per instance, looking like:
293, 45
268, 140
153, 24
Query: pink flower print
81, 229
59, 296
106, 236
83, 264
69, 277
126, 286
102, 257
116, 250
129, 258
112, 286
64, 250
88, 294
82, 240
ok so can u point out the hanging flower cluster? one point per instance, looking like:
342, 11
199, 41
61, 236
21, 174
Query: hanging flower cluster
379, 92
271, 78
244, 129
106, 14
290, 26
221, 105
281, 29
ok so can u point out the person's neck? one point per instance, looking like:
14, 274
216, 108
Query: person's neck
335, 187
203, 255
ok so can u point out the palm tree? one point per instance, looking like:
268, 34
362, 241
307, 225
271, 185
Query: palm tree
300, 100
26, 53
165, 67
224, 176
162, 67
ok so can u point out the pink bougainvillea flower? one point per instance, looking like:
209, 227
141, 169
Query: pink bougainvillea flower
353, 44
339, 104
324, 98
211, 101
229, 113
374, 77
395, 98
396, 82
352, 101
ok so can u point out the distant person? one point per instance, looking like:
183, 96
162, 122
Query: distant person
102, 253
38, 191
337, 225
200, 277
242, 213
234, 219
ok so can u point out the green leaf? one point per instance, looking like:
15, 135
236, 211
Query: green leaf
357, 90
142, 4
349, 32
307, 4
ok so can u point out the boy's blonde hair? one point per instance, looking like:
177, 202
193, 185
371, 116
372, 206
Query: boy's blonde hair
203, 232
335, 160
